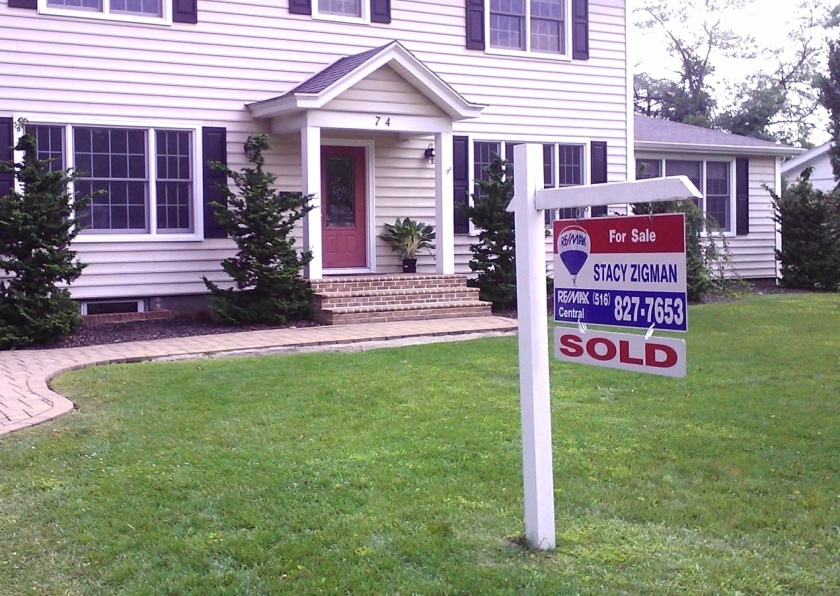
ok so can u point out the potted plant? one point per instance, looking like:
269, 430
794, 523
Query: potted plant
409, 237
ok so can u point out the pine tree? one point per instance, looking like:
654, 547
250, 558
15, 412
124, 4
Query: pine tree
36, 228
494, 255
267, 268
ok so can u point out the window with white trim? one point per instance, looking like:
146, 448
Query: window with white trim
141, 180
713, 178
345, 8
563, 165
118, 9
539, 26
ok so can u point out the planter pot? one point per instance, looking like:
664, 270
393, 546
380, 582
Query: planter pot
409, 265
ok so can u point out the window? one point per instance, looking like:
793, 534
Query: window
529, 25
483, 154
712, 178
345, 8
106, 8
563, 165
141, 180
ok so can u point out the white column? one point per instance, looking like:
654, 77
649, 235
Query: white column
310, 151
444, 219
533, 348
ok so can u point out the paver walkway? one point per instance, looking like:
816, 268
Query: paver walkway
26, 399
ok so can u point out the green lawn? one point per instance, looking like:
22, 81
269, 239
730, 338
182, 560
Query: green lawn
399, 471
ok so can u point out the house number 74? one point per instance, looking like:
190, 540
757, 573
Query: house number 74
380, 121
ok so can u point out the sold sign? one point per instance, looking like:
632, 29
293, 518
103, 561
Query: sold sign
659, 356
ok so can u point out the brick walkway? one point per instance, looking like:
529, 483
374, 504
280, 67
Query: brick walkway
26, 399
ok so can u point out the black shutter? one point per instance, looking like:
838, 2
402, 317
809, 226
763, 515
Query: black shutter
7, 179
214, 147
380, 11
30, 4
598, 171
475, 24
742, 196
580, 29
184, 11
460, 182
300, 6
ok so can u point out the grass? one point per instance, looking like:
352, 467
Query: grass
399, 471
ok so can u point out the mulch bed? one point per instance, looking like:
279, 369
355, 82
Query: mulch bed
181, 326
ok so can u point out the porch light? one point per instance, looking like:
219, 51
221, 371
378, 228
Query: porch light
430, 153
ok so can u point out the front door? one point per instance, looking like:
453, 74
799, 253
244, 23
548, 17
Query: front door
343, 214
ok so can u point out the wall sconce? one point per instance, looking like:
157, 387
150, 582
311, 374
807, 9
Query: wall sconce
430, 153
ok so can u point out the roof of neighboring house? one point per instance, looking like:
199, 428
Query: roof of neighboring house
663, 135
806, 159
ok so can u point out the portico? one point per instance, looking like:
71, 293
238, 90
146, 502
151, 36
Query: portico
339, 113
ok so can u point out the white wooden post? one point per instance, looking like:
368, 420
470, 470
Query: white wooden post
534, 391
310, 151
529, 201
444, 205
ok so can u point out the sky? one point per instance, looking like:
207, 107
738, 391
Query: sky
765, 20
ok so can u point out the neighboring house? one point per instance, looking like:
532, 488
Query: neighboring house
822, 176
733, 172
356, 95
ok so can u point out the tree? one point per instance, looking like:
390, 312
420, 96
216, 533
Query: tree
36, 229
494, 255
775, 103
696, 34
829, 88
267, 268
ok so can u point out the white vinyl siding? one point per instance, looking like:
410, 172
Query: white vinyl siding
251, 50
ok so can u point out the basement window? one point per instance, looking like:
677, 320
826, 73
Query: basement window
112, 307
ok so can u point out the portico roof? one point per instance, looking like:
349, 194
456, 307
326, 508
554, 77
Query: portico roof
324, 86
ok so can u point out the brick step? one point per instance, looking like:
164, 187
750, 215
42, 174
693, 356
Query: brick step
407, 312
384, 297
394, 281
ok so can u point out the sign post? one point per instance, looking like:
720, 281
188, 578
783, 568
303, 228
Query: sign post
528, 205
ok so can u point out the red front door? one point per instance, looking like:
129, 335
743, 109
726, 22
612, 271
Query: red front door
343, 215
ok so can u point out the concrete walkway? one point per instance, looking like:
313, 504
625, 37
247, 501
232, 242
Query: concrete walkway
26, 398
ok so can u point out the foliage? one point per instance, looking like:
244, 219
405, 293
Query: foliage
409, 237
707, 253
36, 228
329, 473
829, 88
267, 268
775, 101
810, 223
494, 255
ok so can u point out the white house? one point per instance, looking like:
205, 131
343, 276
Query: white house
733, 172
141, 94
822, 176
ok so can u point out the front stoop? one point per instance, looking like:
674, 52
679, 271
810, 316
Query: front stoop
342, 300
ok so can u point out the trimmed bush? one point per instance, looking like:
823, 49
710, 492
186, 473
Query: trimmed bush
810, 223
36, 228
267, 268
494, 255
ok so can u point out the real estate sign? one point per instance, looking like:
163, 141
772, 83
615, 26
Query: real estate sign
621, 271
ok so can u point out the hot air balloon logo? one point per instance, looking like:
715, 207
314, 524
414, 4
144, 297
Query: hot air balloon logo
573, 247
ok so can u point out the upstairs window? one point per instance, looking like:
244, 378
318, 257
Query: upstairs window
529, 26
109, 9
344, 8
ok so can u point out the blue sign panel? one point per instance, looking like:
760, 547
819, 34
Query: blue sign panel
621, 308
